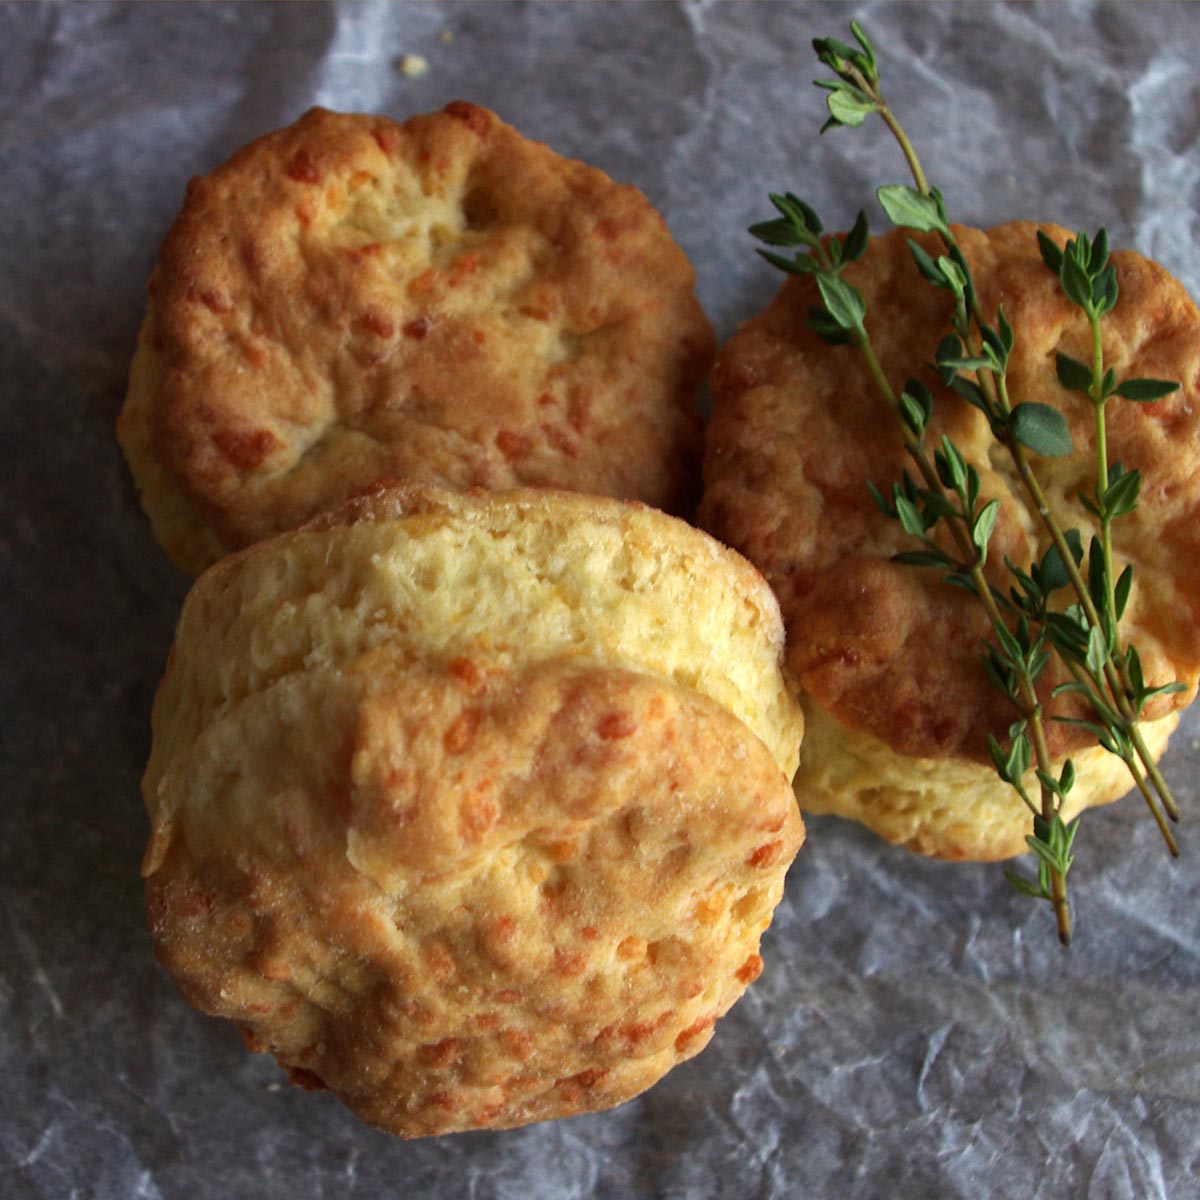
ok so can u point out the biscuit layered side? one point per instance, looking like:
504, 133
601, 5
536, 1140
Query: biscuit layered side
887, 657
473, 808
350, 299
952, 808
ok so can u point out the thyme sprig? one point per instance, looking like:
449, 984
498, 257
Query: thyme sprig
972, 360
1089, 281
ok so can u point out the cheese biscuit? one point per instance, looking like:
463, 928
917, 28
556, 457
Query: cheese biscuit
888, 656
350, 299
473, 808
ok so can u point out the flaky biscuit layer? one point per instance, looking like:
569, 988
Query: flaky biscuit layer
501, 578
951, 808
350, 299
470, 879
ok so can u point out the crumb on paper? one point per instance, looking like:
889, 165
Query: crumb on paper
1195, 744
273, 1087
446, 36
412, 65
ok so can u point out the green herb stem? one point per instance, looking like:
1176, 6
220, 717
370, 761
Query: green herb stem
1155, 811
1161, 787
1099, 403
1062, 910
910, 154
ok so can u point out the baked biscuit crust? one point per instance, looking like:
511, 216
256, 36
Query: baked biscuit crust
889, 652
449, 813
350, 299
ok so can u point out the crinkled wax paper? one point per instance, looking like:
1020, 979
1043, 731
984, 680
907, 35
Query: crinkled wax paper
918, 1032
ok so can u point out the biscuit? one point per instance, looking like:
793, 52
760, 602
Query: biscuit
472, 808
888, 656
350, 299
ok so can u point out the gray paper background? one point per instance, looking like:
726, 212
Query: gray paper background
917, 1032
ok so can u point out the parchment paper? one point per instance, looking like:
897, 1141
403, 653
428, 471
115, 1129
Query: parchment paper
918, 1032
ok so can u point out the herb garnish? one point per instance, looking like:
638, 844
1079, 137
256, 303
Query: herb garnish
972, 360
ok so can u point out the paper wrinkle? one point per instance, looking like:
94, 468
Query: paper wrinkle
917, 1031
349, 66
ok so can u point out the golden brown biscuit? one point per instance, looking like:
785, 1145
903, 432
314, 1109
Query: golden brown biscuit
473, 808
349, 299
888, 656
